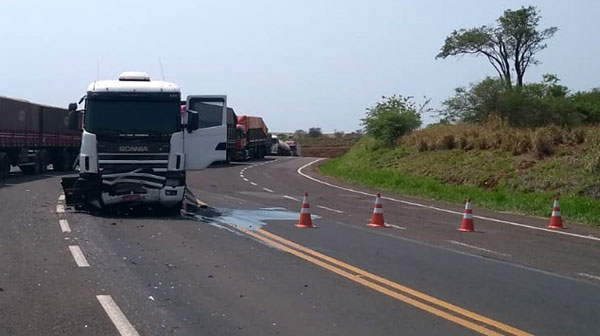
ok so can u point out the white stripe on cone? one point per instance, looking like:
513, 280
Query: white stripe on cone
468, 216
468, 206
305, 210
378, 210
555, 213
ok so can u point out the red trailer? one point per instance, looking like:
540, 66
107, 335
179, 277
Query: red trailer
253, 141
32, 136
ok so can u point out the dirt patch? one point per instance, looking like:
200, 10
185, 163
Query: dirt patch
592, 191
329, 152
526, 164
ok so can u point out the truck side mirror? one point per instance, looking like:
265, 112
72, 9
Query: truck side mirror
193, 121
73, 107
73, 119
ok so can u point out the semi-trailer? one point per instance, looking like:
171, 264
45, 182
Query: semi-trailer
32, 136
232, 134
136, 147
253, 140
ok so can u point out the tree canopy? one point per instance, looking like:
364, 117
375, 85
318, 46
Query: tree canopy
510, 46
393, 117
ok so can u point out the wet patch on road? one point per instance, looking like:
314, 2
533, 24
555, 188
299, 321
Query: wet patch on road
248, 219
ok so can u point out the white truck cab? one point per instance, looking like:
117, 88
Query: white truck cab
135, 146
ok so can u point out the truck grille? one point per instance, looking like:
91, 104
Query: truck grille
136, 162
148, 169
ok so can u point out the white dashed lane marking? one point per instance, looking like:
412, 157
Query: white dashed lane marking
397, 227
116, 315
80, 259
60, 208
291, 198
64, 225
61, 197
330, 209
478, 248
590, 276
268, 190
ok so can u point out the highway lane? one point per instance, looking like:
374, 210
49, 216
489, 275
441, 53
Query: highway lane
205, 277
171, 276
519, 272
549, 251
42, 291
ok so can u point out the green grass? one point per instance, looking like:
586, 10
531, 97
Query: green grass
454, 175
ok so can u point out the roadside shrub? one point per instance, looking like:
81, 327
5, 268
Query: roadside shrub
482, 143
575, 136
447, 142
592, 160
392, 118
543, 144
463, 143
523, 145
494, 135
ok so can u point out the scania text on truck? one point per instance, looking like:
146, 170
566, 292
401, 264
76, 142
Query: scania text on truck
136, 147
32, 136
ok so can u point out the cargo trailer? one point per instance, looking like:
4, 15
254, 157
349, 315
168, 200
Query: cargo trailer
33, 136
253, 141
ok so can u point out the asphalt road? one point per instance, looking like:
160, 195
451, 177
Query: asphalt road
241, 267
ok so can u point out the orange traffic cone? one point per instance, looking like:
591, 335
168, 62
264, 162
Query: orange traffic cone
556, 219
467, 222
377, 217
305, 218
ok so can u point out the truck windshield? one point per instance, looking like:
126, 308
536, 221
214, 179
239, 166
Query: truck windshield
132, 116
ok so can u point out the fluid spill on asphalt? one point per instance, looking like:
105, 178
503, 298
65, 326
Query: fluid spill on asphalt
246, 219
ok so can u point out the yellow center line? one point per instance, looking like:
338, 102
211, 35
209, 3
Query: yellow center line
465, 323
361, 276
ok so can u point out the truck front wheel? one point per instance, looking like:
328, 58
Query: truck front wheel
174, 210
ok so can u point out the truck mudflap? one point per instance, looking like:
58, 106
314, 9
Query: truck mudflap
79, 191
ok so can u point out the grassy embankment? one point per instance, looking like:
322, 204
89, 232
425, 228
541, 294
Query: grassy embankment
499, 167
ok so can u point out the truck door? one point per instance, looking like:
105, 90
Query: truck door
208, 143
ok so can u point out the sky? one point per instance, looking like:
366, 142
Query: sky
298, 64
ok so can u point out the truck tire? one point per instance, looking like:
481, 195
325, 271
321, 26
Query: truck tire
174, 210
4, 163
62, 161
41, 159
37, 167
28, 170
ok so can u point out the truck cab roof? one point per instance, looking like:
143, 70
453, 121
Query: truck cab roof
133, 82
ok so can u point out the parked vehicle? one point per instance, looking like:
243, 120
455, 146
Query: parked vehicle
279, 147
32, 136
294, 147
253, 140
136, 147
232, 134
